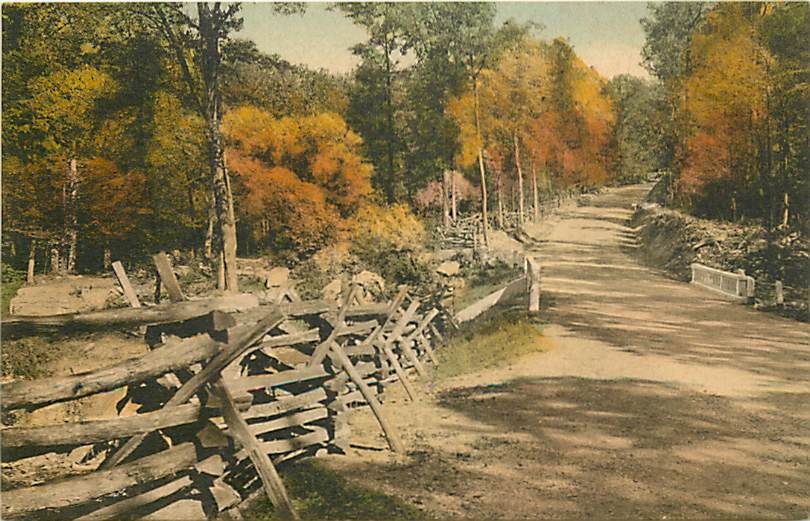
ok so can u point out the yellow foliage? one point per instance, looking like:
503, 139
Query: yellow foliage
462, 110
394, 226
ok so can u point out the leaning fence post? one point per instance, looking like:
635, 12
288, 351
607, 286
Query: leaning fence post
533, 279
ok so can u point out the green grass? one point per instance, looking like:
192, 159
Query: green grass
319, 493
493, 342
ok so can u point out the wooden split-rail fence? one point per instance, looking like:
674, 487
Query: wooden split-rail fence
465, 232
230, 388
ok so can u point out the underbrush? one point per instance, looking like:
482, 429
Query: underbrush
672, 240
12, 280
319, 493
493, 340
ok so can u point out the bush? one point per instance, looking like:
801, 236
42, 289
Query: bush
389, 241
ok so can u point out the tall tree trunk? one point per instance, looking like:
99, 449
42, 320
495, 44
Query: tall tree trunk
71, 216
445, 209
391, 188
220, 184
484, 216
535, 195
107, 258
521, 196
786, 213
54, 259
499, 195
453, 192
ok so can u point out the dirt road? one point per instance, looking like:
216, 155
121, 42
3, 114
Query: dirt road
655, 400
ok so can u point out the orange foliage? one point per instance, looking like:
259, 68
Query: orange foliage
725, 99
296, 211
301, 176
115, 202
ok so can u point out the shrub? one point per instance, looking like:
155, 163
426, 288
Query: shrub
388, 240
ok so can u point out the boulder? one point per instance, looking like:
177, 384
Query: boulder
370, 281
331, 292
448, 268
277, 277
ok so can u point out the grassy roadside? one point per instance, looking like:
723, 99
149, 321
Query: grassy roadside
319, 493
496, 339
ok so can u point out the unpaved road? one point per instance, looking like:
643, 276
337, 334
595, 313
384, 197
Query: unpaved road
655, 399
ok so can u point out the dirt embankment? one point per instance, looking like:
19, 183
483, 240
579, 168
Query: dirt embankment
671, 240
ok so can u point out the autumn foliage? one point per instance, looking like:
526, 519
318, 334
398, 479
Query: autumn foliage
298, 178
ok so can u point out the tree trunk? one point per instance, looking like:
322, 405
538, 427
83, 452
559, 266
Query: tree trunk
521, 197
453, 199
499, 195
32, 255
786, 213
71, 217
225, 244
445, 209
392, 183
535, 195
54, 260
484, 216
107, 260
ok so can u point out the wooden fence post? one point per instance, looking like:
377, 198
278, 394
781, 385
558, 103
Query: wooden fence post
533, 282
780, 295
123, 280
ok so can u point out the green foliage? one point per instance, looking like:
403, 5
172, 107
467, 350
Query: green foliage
641, 127
319, 493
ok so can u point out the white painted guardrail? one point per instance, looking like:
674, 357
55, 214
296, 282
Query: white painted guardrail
528, 284
737, 285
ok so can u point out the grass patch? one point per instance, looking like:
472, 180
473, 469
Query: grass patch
320, 493
491, 343
12, 280
27, 357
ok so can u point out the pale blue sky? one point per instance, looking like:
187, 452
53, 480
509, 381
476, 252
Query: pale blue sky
606, 35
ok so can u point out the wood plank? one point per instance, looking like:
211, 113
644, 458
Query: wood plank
167, 277
240, 430
390, 434
297, 443
292, 420
126, 286
228, 354
262, 381
76, 490
435, 332
93, 431
173, 355
395, 335
121, 508
126, 317
306, 399
339, 322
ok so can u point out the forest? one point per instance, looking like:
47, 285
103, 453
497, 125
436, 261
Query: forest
135, 128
